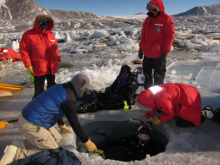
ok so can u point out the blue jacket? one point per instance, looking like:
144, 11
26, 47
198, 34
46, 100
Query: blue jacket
45, 110
48, 107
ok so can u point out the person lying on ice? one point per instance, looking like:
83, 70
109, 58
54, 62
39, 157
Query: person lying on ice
174, 100
122, 89
38, 117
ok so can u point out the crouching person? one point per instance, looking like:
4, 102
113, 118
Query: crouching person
173, 100
124, 86
122, 90
38, 117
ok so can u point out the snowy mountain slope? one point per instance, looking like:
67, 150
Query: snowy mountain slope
5, 12
18, 16
201, 11
26, 10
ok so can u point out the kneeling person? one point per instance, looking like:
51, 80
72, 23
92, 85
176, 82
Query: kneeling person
38, 117
124, 86
173, 100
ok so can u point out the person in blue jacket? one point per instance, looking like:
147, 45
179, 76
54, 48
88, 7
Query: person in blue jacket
38, 117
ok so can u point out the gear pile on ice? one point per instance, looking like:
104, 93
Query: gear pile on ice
207, 112
216, 117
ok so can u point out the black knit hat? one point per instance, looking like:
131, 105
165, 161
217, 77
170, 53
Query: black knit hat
125, 70
143, 130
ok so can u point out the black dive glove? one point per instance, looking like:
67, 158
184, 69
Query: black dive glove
140, 54
163, 57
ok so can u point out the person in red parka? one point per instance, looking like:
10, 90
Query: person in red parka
40, 53
158, 33
173, 100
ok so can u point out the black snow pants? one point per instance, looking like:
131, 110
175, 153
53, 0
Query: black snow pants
39, 83
154, 71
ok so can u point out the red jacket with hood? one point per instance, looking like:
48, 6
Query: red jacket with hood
158, 33
168, 99
40, 49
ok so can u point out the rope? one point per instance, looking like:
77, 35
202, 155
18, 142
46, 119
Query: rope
3, 76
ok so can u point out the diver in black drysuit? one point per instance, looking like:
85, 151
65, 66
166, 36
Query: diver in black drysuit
122, 89
147, 140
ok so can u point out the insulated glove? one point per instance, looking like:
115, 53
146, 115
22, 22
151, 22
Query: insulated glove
90, 146
64, 129
100, 151
140, 54
30, 69
156, 121
163, 57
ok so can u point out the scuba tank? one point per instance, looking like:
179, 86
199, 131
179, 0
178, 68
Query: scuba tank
138, 73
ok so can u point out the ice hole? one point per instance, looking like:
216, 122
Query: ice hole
103, 133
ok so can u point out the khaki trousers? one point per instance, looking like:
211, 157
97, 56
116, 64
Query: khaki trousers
39, 138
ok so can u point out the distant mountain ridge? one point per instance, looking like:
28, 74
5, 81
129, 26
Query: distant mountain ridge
19, 15
201, 11
27, 10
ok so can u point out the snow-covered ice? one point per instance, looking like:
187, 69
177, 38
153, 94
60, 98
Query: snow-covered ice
194, 60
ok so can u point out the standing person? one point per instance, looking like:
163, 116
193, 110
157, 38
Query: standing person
38, 117
173, 100
40, 53
157, 37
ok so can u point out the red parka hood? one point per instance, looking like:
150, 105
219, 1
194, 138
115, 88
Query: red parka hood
158, 3
146, 98
43, 18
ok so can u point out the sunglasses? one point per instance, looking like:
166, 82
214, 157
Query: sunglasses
43, 27
153, 9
